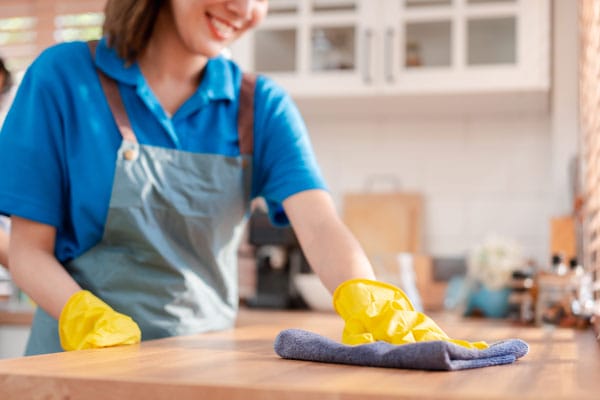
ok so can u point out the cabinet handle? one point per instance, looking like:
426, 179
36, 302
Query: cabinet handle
367, 56
389, 50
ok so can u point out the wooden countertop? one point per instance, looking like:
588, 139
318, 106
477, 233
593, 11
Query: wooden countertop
241, 364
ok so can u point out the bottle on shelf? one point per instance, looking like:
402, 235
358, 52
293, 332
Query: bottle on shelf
558, 265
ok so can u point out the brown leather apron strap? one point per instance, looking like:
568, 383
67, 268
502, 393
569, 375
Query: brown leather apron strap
246, 114
111, 91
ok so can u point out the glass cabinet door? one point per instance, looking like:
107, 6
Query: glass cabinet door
275, 50
332, 48
306, 43
276, 45
308, 36
491, 33
456, 33
423, 35
428, 44
442, 45
491, 41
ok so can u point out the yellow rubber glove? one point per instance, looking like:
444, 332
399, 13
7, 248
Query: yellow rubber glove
86, 322
376, 311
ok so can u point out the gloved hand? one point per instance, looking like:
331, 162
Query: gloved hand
86, 322
376, 311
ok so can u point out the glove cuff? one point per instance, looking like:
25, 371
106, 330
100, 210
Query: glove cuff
359, 293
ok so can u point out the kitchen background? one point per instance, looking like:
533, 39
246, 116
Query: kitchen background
471, 103
484, 125
490, 153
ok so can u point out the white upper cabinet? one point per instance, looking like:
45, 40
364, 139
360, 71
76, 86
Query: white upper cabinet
370, 47
466, 45
307, 45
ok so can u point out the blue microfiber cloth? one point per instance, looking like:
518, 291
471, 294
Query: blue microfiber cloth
298, 344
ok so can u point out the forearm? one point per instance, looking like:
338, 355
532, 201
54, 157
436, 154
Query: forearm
44, 280
35, 269
330, 248
335, 255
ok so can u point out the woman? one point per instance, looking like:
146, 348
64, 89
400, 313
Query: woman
148, 217
132, 163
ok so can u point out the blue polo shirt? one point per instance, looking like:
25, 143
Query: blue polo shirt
59, 142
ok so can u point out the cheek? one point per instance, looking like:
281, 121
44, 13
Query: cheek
258, 15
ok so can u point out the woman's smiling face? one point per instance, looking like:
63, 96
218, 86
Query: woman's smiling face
207, 26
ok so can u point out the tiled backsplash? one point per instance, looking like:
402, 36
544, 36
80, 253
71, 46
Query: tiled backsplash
478, 175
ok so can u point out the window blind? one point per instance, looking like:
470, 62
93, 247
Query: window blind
29, 26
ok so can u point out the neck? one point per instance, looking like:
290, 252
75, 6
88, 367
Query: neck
166, 56
169, 67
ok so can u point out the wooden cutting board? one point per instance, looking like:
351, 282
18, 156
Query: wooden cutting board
387, 222
563, 238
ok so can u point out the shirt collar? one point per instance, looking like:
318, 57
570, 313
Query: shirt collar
114, 66
217, 82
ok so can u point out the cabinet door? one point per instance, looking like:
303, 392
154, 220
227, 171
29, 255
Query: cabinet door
466, 45
309, 45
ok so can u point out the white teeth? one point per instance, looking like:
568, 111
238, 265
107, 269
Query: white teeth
223, 29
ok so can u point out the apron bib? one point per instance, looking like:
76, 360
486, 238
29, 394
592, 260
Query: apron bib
168, 255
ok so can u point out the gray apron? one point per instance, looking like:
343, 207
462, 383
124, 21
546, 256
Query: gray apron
168, 255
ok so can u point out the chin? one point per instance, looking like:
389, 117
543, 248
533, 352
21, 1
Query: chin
210, 51
212, 54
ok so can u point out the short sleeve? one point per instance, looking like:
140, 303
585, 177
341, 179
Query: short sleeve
31, 149
284, 160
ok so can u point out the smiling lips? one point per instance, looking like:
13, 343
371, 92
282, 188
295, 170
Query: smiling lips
222, 29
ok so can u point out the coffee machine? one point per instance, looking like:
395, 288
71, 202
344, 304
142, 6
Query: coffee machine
278, 259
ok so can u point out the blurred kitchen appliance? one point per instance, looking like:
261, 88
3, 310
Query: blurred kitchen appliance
564, 299
553, 300
278, 259
521, 299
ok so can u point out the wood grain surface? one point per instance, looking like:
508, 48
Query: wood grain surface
240, 364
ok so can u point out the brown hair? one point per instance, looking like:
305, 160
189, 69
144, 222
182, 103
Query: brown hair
128, 25
7, 78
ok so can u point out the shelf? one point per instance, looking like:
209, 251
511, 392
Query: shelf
427, 105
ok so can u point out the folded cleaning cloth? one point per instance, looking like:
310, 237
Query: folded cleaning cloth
298, 344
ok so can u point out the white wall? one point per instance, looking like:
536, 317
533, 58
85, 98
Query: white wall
13, 340
478, 174
565, 101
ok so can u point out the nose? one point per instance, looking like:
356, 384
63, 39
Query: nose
241, 8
